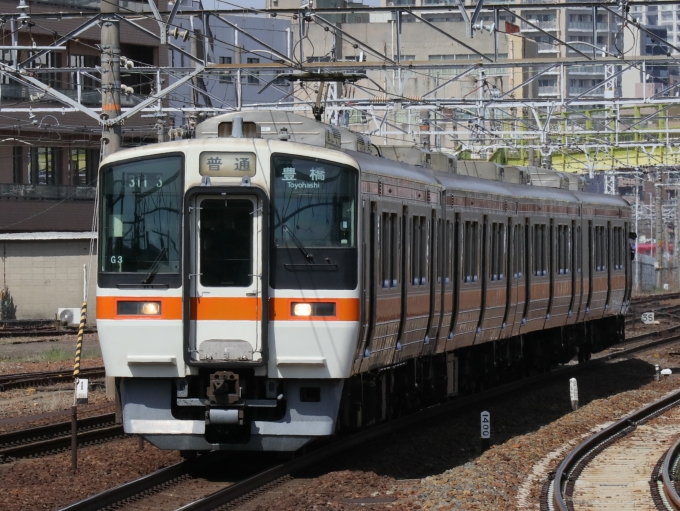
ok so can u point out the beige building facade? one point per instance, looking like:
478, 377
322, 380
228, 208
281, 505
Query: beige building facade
44, 272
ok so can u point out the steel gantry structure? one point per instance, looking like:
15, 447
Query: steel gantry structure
591, 130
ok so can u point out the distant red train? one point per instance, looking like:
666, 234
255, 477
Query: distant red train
650, 248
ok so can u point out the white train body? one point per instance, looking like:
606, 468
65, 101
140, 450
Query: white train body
237, 323
256, 293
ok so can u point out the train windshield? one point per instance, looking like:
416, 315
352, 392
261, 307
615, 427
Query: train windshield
314, 204
141, 204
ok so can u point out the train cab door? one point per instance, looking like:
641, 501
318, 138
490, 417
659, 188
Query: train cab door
226, 280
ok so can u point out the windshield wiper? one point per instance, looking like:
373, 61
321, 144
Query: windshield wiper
299, 244
154, 267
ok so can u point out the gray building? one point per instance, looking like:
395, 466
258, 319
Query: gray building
225, 40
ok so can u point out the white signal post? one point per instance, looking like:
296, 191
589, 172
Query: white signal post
485, 423
573, 393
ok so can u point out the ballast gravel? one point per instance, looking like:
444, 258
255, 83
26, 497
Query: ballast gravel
440, 466
433, 466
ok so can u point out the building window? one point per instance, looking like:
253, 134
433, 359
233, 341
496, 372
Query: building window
83, 61
253, 76
226, 76
280, 80
49, 60
18, 165
45, 166
83, 165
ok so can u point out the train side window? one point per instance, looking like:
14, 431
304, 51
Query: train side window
415, 251
395, 236
474, 251
439, 250
578, 250
560, 263
384, 232
540, 250
563, 246
600, 249
448, 254
493, 252
497, 251
467, 248
518, 251
470, 251
424, 248
567, 249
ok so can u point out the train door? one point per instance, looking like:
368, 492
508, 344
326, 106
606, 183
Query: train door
225, 281
468, 304
437, 242
575, 268
515, 273
450, 257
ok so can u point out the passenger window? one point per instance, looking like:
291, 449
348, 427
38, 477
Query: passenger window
563, 252
226, 243
497, 251
385, 232
439, 250
518, 251
395, 237
600, 249
420, 250
424, 249
470, 251
415, 250
577, 249
448, 254
540, 248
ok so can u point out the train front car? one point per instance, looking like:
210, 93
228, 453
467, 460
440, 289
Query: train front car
227, 301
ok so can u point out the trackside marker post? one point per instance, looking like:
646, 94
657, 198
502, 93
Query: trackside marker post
657, 372
573, 393
76, 396
485, 419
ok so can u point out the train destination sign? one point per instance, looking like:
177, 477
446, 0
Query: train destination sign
222, 164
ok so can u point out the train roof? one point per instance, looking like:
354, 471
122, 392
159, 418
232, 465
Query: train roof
386, 167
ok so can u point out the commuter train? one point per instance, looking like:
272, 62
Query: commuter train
274, 280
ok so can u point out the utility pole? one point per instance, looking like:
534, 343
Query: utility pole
110, 55
658, 228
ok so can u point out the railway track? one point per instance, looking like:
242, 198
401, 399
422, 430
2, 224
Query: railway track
627, 465
42, 440
41, 332
149, 489
668, 475
23, 380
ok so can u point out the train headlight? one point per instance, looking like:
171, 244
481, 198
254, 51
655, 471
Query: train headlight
150, 308
314, 309
139, 308
302, 309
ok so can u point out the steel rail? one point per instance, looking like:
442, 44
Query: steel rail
44, 447
668, 476
44, 332
600, 441
25, 436
13, 381
313, 457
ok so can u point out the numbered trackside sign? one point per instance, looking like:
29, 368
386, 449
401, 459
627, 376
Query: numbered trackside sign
81, 391
647, 318
486, 424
